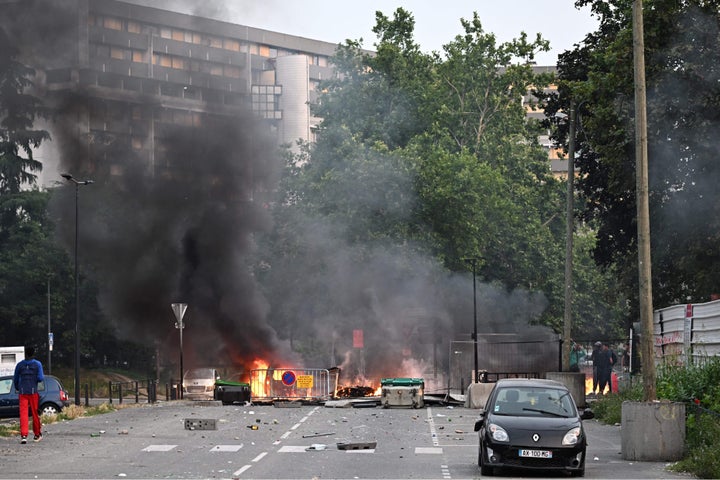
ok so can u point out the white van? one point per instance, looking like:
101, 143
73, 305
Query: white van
199, 383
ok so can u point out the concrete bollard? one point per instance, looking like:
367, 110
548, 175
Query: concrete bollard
652, 431
575, 383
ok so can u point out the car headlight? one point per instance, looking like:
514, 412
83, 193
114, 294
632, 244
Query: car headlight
498, 433
572, 437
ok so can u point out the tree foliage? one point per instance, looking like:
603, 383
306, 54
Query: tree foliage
433, 157
683, 99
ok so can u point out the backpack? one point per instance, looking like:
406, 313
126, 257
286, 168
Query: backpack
28, 377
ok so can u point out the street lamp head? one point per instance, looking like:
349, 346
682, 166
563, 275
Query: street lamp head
67, 176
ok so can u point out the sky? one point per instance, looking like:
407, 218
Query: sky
436, 23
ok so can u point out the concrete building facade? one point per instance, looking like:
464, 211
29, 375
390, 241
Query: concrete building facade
140, 70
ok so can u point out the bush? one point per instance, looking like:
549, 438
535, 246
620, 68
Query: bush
698, 386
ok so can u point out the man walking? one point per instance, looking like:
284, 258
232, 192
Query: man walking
28, 373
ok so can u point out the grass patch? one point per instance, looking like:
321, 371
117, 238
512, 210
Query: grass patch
70, 412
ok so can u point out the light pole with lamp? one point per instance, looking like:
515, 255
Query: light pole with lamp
77, 183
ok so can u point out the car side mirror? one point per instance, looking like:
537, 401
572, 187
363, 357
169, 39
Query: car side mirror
587, 414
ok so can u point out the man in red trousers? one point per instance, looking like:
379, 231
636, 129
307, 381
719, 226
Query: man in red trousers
28, 373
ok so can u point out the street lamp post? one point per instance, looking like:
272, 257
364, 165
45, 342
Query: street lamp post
77, 183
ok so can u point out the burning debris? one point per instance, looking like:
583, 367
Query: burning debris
356, 392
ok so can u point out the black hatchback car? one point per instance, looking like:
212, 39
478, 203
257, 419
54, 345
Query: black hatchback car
531, 424
53, 397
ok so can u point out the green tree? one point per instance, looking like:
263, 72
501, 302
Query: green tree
683, 100
467, 179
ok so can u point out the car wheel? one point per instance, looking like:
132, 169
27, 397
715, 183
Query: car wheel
49, 409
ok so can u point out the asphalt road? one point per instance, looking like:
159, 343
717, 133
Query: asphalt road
185, 440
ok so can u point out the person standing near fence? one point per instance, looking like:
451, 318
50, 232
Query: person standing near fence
28, 373
607, 360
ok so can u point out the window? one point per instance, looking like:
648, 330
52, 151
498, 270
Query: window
264, 50
134, 27
215, 42
162, 60
216, 70
231, 44
232, 72
139, 56
165, 33
179, 63
5, 386
119, 53
112, 23
178, 35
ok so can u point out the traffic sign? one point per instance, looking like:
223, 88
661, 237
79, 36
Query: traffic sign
288, 378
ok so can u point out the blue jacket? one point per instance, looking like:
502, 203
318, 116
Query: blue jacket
28, 373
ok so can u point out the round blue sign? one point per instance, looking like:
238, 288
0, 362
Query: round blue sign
288, 378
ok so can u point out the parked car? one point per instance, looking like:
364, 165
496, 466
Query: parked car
531, 424
53, 397
199, 383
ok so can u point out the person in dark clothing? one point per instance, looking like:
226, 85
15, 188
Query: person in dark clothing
595, 357
606, 361
28, 373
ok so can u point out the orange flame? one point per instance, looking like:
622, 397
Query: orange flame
259, 383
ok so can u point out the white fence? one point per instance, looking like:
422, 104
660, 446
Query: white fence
688, 329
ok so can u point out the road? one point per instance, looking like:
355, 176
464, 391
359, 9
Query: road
186, 440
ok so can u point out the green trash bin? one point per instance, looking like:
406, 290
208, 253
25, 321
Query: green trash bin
402, 392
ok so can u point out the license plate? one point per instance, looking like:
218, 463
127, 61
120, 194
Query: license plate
536, 453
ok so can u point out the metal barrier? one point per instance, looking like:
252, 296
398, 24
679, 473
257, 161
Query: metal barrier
309, 384
146, 388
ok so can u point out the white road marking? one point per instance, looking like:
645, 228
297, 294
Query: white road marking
259, 457
295, 426
292, 449
238, 472
158, 448
285, 435
226, 448
428, 450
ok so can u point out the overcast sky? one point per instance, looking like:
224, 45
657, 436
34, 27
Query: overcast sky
436, 22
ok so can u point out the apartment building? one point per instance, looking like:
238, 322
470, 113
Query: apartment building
139, 70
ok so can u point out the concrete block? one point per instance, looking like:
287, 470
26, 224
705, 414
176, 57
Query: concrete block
200, 424
575, 383
477, 394
652, 431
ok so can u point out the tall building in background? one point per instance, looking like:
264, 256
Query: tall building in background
133, 71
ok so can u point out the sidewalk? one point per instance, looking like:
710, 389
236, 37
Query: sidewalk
604, 458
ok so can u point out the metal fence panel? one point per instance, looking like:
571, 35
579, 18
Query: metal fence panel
315, 384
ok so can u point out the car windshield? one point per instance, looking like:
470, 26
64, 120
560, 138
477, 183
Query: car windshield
533, 401
199, 373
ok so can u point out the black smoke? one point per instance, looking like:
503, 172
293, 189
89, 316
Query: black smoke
179, 229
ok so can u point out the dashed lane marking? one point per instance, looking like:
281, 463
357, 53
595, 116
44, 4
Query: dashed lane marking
226, 448
429, 450
159, 448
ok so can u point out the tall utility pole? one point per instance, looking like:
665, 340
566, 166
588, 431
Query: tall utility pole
643, 207
476, 375
567, 323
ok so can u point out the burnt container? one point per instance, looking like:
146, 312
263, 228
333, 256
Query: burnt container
231, 392
402, 392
